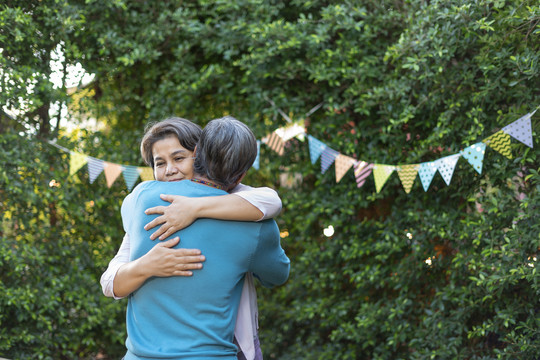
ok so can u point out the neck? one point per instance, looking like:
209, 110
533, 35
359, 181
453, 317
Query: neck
202, 180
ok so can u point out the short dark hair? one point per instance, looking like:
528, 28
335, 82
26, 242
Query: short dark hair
187, 132
226, 150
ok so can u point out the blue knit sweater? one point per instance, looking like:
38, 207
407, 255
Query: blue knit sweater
194, 317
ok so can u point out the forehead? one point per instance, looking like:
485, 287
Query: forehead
167, 146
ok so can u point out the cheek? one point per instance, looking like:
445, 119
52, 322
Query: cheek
159, 174
187, 168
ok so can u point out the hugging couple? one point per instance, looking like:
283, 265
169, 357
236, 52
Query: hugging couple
190, 283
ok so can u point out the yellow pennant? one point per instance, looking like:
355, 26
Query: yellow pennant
500, 141
407, 175
146, 173
381, 173
76, 161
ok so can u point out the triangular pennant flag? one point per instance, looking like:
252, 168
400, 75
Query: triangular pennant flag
327, 158
446, 167
146, 173
256, 162
130, 175
343, 164
426, 172
475, 155
500, 141
76, 161
521, 129
275, 142
407, 174
361, 171
112, 171
95, 167
290, 131
381, 173
316, 147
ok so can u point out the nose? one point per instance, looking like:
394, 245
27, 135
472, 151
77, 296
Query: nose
171, 169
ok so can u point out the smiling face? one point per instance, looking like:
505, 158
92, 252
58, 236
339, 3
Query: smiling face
172, 161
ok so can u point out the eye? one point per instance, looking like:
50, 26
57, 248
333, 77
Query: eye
159, 164
179, 158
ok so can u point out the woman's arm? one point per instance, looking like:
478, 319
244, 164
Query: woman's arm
244, 204
121, 258
122, 277
162, 261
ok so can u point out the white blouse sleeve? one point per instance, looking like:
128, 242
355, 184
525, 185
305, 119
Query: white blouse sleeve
263, 198
121, 258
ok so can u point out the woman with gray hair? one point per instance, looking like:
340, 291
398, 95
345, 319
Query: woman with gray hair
227, 165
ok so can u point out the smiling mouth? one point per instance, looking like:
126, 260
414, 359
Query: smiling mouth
174, 180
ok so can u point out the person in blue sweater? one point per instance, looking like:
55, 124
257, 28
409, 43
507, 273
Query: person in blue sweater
194, 317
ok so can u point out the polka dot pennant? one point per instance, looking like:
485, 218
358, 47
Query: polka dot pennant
316, 147
426, 172
521, 130
343, 164
381, 173
475, 155
446, 167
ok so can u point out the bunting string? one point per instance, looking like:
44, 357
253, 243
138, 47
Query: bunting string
111, 170
500, 141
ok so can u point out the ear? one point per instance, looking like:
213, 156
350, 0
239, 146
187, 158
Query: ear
195, 151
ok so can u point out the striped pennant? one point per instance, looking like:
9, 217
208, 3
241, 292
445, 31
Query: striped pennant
361, 171
327, 158
130, 175
500, 141
256, 162
316, 147
276, 143
95, 167
407, 175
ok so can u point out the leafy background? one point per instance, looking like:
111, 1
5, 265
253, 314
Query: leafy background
400, 82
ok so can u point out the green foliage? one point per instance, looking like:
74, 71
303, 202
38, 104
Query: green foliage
57, 235
450, 273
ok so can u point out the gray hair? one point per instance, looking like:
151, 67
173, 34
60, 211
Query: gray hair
226, 150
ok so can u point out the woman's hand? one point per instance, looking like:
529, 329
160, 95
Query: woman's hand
164, 261
178, 215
